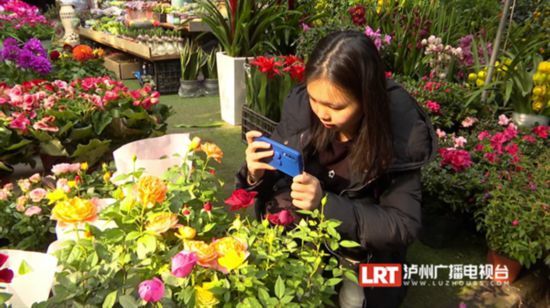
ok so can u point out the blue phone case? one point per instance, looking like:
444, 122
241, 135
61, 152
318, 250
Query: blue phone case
285, 159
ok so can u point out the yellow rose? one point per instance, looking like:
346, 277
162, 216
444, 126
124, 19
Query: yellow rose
204, 297
151, 190
160, 222
212, 151
56, 195
206, 254
227, 244
537, 106
186, 233
74, 210
537, 91
84, 166
544, 67
538, 78
232, 259
195, 144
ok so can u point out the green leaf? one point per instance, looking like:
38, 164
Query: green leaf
145, 245
279, 287
80, 133
349, 244
127, 301
53, 147
92, 151
264, 296
4, 297
286, 299
100, 121
110, 300
24, 268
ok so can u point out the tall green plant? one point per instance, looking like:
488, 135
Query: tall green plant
210, 69
248, 29
192, 59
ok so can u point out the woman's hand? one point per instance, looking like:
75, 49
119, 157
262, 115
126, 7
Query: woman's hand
306, 191
255, 152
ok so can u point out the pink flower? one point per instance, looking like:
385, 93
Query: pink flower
541, 131
440, 133
21, 203
459, 142
183, 263
63, 184
20, 122
503, 120
3, 195
512, 149
491, 157
515, 222
469, 121
497, 141
434, 107
37, 194
479, 147
33, 210
46, 124
24, 184
305, 27
151, 290
529, 138
240, 199
65, 168
111, 96
283, 218
35, 178
459, 160
482, 135
510, 132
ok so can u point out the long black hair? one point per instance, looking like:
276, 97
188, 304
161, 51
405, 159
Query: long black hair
350, 61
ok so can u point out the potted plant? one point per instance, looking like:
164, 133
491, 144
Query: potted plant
516, 217
243, 31
210, 72
191, 59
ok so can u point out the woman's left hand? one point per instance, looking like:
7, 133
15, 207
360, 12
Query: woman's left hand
306, 191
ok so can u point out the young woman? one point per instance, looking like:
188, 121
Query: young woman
364, 140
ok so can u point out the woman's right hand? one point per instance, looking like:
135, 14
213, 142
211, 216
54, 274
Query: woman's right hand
255, 152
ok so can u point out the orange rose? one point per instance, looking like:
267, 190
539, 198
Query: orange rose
212, 151
151, 190
74, 210
206, 254
83, 53
160, 222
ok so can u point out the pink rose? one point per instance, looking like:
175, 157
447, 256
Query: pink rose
183, 263
484, 134
111, 96
283, 218
63, 184
503, 120
151, 290
529, 138
240, 199
24, 184
65, 168
37, 194
512, 149
35, 178
469, 121
459, 160
33, 210
459, 142
440, 133
3, 195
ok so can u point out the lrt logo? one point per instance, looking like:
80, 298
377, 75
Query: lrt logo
380, 275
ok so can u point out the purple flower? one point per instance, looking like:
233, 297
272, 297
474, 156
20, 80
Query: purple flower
41, 65
151, 290
35, 46
24, 58
10, 51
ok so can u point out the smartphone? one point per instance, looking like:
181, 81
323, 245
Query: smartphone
285, 159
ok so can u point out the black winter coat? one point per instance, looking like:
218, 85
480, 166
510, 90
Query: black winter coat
382, 214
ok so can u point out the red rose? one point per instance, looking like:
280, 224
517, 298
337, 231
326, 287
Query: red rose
283, 218
240, 199
54, 55
541, 131
207, 206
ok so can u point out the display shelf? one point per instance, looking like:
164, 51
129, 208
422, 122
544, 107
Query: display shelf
135, 48
194, 25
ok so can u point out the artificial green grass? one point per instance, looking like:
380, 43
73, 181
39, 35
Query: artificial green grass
466, 248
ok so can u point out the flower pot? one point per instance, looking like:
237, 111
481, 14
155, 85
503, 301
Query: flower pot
529, 120
189, 88
211, 87
232, 87
154, 155
34, 286
513, 266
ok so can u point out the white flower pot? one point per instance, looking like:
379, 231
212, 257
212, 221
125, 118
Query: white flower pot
34, 286
155, 155
232, 87
529, 120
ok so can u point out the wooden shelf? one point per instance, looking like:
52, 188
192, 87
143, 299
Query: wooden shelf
194, 25
135, 48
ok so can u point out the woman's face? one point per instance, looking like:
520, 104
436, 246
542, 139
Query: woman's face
334, 108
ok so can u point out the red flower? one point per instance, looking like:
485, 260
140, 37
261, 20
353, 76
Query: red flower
512, 149
296, 72
207, 206
515, 222
491, 157
267, 65
54, 55
290, 60
240, 199
459, 160
283, 218
6, 274
434, 107
541, 131
388, 74
529, 138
